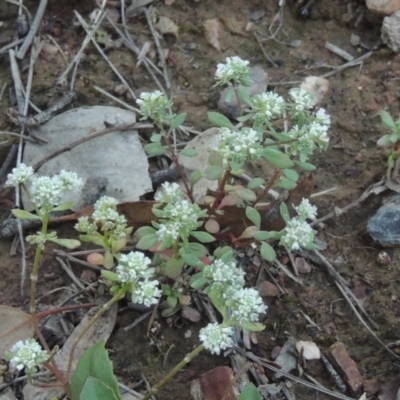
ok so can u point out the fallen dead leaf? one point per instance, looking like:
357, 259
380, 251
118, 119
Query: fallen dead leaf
169, 2
167, 26
214, 32
15, 325
235, 25
309, 350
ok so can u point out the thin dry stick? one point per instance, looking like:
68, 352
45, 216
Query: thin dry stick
265, 363
86, 41
18, 135
33, 29
149, 13
11, 45
90, 33
70, 273
58, 48
116, 99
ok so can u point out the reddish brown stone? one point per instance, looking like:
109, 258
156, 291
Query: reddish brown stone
370, 105
346, 366
268, 289
214, 385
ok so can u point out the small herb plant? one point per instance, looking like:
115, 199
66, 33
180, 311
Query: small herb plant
283, 132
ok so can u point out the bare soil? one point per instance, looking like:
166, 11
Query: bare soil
351, 164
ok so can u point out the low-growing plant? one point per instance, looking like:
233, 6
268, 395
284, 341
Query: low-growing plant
182, 238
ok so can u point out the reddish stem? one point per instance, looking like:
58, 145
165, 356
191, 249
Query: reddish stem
220, 191
267, 188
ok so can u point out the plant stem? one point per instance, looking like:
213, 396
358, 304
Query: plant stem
220, 191
118, 295
239, 104
267, 188
173, 372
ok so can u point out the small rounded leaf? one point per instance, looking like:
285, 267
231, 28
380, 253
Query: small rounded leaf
212, 226
255, 183
267, 252
154, 149
213, 172
254, 216
189, 152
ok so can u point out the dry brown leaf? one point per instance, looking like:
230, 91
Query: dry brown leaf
235, 25
169, 2
15, 325
214, 32
167, 26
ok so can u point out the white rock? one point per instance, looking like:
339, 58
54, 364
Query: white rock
316, 86
390, 32
309, 350
383, 8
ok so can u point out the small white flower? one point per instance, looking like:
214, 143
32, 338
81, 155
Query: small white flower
297, 233
147, 293
303, 100
306, 210
225, 273
318, 133
20, 174
322, 117
235, 70
216, 337
27, 355
268, 105
46, 190
246, 304
169, 230
133, 266
70, 181
170, 192
153, 105
85, 226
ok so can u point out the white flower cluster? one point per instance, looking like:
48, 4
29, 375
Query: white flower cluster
266, 106
297, 233
27, 355
225, 277
106, 216
302, 99
306, 210
235, 70
133, 268
20, 174
246, 304
237, 146
179, 216
216, 337
153, 105
44, 190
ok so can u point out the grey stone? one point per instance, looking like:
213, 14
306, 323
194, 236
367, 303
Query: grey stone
384, 226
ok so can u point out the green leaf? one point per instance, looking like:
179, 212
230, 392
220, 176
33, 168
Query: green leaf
63, 207
254, 216
394, 137
67, 243
219, 252
198, 283
250, 392
195, 176
22, 214
244, 95
267, 252
384, 141
192, 260
154, 149
291, 174
98, 240
229, 95
94, 363
109, 275
95, 389
213, 172
220, 120
215, 158
108, 260
218, 302
280, 136
387, 120
147, 241
284, 211
277, 158
245, 194
244, 118
177, 121
172, 301
143, 231
189, 152
286, 184
264, 235
254, 326
305, 166
173, 267
255, 183
228, 254
311, 246
197, 249
156, 137
203, 237
391, 161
